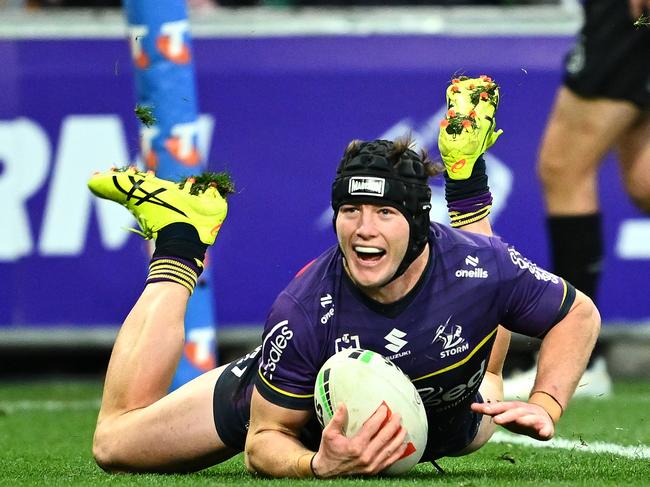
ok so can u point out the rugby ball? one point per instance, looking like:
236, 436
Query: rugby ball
363, 380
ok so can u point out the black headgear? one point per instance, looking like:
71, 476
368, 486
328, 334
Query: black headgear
367, 175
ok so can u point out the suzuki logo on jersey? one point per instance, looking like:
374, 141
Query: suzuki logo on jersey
476, 273
360, 186
346, 341
273, 346
395, 339
172, 42
450, 337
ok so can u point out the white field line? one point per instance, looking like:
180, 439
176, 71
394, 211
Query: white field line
639, 452
49, 405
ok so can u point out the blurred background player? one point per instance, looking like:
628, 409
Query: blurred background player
603, 105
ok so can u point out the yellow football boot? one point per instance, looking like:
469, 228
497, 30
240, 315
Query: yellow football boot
156, 203
468, 128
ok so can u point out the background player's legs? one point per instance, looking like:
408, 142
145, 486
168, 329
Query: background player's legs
139, 427
634, 155
579, 134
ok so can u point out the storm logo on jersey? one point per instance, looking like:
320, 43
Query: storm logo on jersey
450, 337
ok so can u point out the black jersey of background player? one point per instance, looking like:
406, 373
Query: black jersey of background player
440, 334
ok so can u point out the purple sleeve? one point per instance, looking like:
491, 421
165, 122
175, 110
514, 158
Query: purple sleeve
290, 357
533, 299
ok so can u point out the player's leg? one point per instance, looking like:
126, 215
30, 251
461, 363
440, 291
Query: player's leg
578, 135
139, 427
634, 155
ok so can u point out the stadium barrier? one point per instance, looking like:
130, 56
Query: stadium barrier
282, 92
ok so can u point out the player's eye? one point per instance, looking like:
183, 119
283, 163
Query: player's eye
387, 211
348, 209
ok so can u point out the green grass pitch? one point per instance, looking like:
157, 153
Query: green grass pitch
46, 430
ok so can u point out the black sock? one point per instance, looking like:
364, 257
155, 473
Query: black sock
577, 250
577, 254
180, 240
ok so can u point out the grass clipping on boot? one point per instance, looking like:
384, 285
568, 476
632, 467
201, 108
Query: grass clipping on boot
220, 180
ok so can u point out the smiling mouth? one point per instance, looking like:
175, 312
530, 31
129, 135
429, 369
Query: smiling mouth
368, 254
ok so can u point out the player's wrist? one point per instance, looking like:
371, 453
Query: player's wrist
306, 468
313, 467
548, 403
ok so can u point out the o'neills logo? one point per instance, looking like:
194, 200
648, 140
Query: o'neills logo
360, 186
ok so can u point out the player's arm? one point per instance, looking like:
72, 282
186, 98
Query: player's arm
537, 303
563, 358
273, 447
272, 444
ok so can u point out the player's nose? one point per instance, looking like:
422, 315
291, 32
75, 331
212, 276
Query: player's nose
366, 224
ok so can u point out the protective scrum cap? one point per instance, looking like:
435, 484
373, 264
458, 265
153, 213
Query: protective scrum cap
372, 175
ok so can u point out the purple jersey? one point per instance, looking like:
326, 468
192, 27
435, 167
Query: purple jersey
440, 334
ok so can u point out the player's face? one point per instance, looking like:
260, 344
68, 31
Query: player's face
374, 240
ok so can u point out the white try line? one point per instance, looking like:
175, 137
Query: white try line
640, 452
48, 405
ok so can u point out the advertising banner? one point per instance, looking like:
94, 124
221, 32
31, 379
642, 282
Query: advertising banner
283, 110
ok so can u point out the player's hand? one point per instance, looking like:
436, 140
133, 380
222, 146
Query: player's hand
519, 417
376, 446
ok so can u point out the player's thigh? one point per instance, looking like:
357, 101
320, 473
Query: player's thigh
634, 156
176, 433
579, 132
578, 135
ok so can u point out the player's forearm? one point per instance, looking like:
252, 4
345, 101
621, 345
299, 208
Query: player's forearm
277, 454
565, 352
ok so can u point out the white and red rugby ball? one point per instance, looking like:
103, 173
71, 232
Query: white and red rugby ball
363, 380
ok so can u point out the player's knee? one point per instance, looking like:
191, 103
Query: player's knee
104, 450
551, 170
